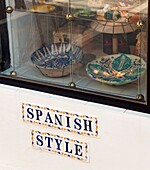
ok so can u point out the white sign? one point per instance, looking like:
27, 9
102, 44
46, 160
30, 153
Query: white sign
60, 145
44, 116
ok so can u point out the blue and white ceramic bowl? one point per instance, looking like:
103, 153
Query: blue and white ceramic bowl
54, 60
116, 69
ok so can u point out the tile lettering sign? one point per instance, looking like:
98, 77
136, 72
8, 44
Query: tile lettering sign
60, 145
62, 120
44, 116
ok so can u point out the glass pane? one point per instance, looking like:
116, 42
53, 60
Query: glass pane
93, 45
39, 36
113, 37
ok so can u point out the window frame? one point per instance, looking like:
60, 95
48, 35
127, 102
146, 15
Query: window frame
80, 94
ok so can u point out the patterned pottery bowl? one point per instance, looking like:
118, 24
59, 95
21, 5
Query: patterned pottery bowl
116, 69
55, 60
42, 8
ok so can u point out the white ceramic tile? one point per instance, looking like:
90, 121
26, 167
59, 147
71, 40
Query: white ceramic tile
139, 123
6, 89
33, 97
105, 107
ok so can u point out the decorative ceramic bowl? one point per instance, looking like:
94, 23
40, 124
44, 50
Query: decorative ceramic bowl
87, 13
55, 60
84, 13
116, 69
42, 8
112, 15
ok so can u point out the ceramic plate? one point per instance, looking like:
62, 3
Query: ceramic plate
42, 8
116, 69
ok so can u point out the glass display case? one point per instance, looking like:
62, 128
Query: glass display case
95, 50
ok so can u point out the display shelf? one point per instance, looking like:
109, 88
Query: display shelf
128, 91
28, 71
31, 72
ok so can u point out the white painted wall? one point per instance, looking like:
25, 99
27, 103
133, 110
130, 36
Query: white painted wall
124, 142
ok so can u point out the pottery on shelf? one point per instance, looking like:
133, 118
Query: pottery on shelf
112, 15
55, 60
43, 8
84, 13
87, 13
117, 69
